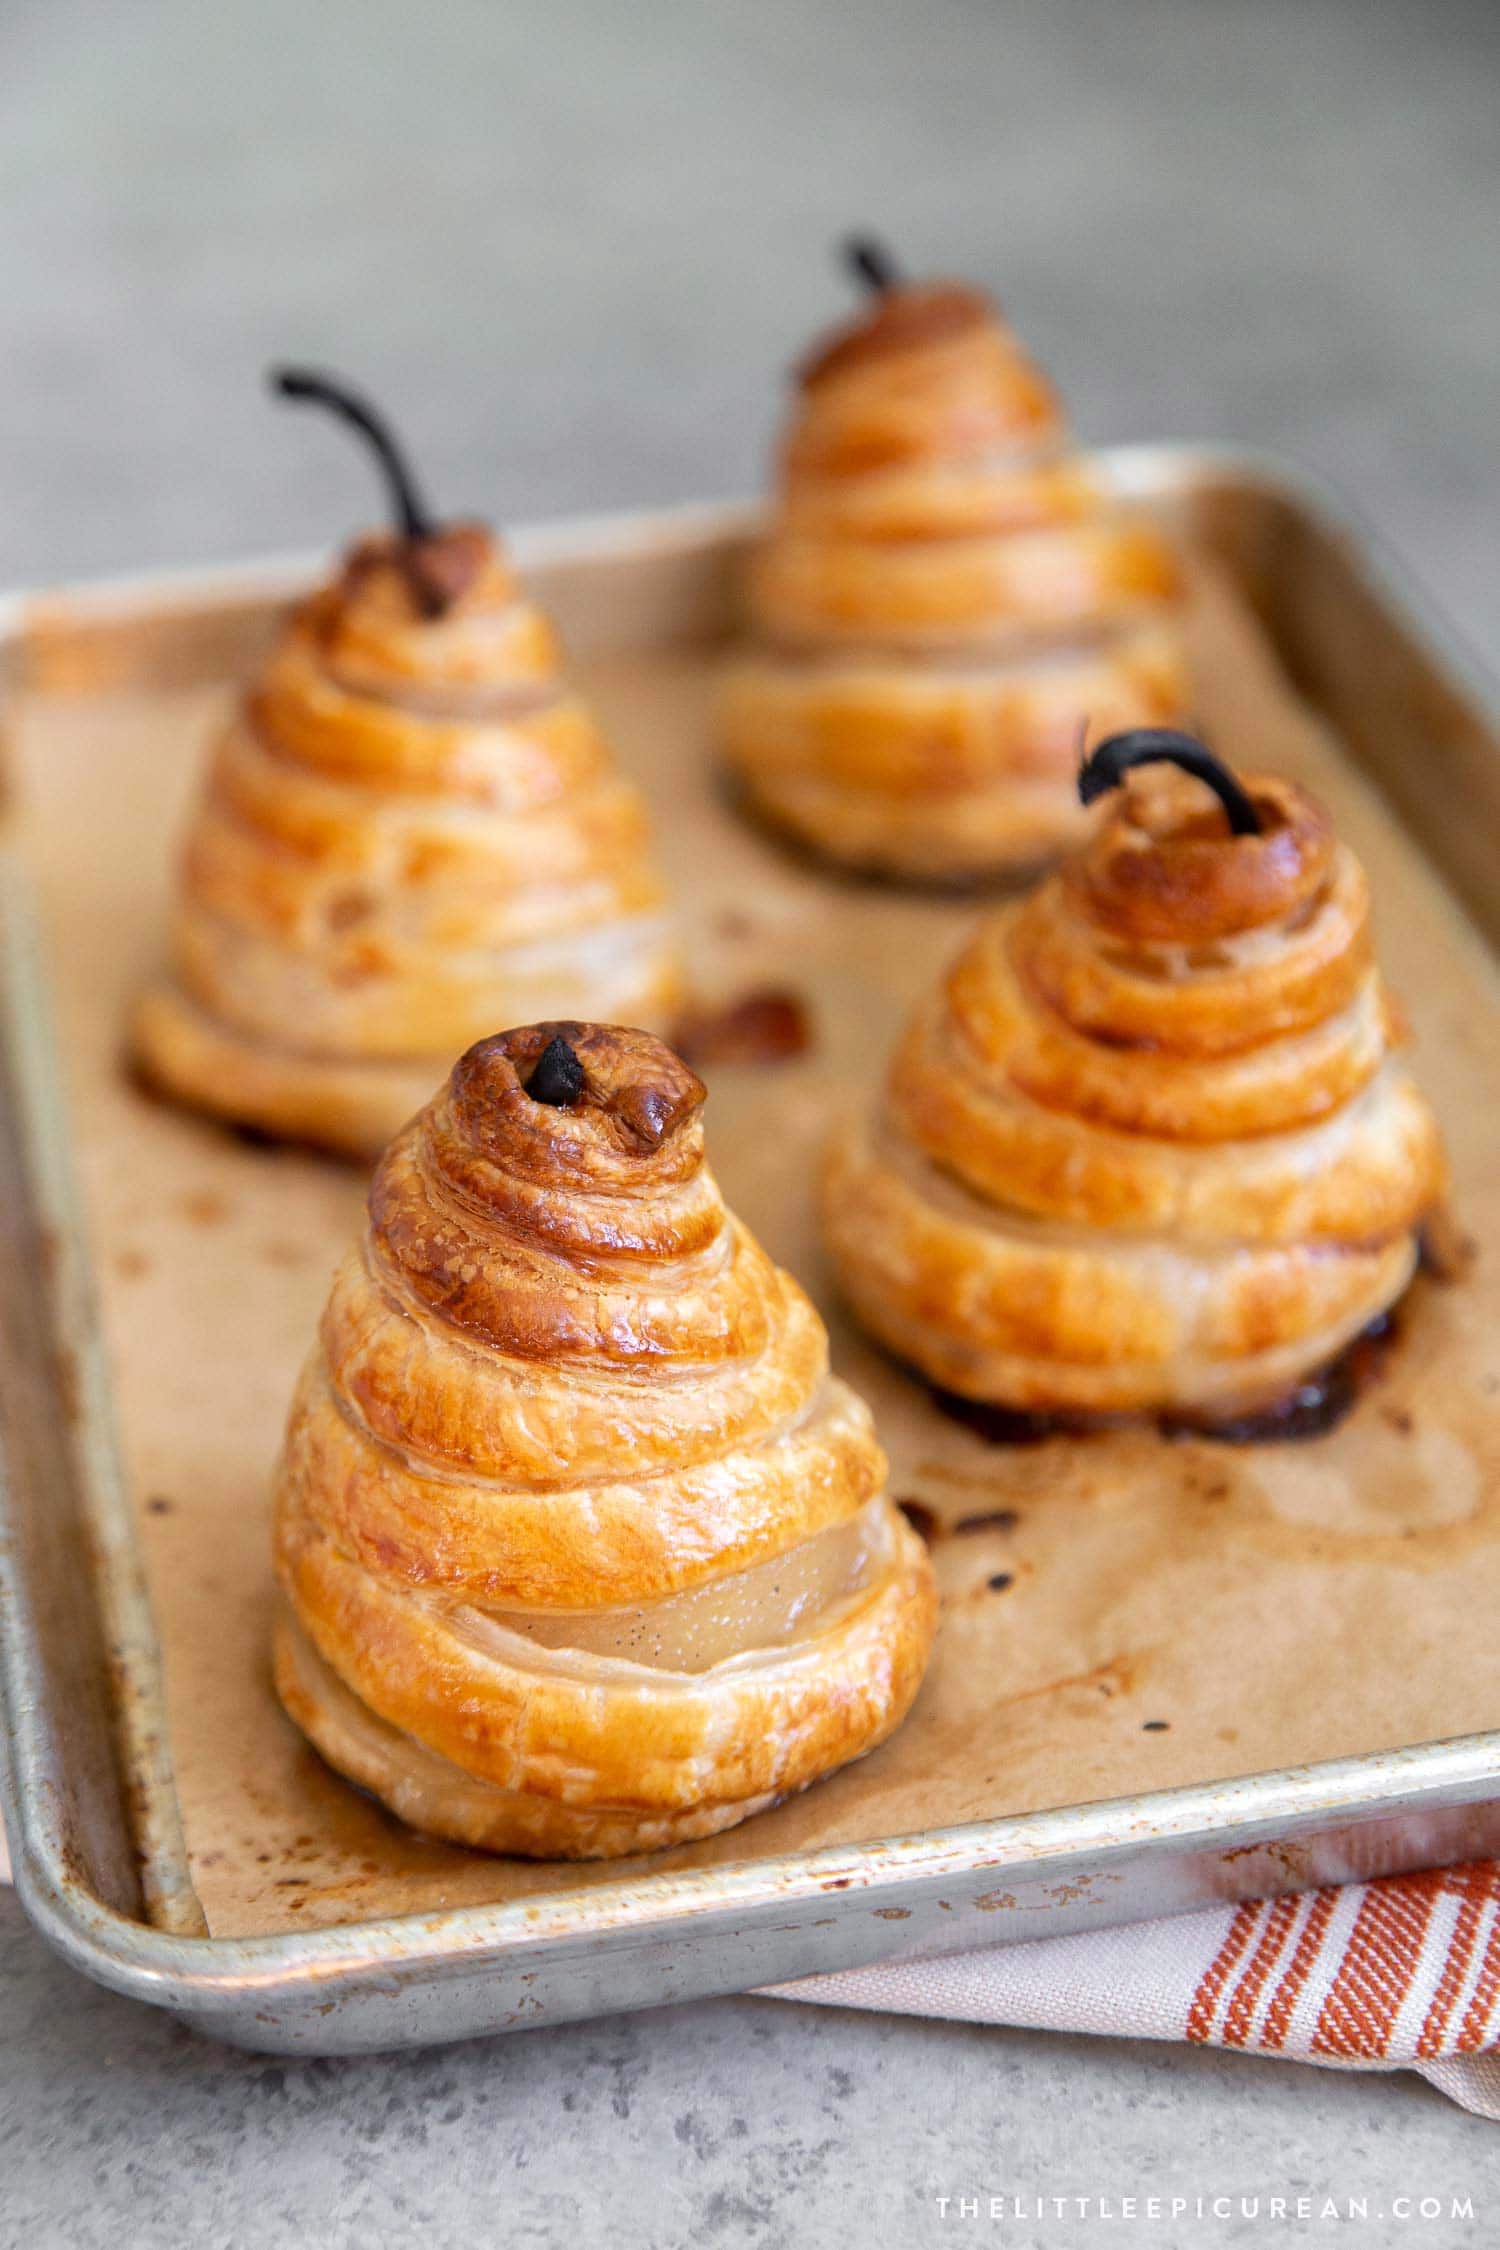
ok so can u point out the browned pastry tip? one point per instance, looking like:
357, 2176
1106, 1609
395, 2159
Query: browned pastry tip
429, 574
904, 318
439, 609
1164, 865
636, 1094
608, 1161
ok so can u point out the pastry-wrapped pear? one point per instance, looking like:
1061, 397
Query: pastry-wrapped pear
1152, 1146
411, 830
583, 1548
945, 595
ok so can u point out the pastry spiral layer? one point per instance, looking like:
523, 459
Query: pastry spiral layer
584, 1549
1150, 1147
946, 593
411, 831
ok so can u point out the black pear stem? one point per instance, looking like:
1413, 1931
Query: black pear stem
558, 1078
870, 262
1154, 746
413, 517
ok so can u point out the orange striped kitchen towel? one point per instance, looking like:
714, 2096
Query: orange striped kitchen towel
1399, 1974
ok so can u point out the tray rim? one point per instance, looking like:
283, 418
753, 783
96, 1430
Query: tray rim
1138, 471
109, 596
198, 1973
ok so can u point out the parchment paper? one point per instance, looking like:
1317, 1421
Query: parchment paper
1155, 1613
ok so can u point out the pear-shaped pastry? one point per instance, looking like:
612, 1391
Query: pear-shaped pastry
946, 594
583, 1548
1151, 1146
412, 830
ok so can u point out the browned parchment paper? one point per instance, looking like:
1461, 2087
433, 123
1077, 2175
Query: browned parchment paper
1173, 1612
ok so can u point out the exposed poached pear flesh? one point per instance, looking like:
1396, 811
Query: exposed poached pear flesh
771, 1606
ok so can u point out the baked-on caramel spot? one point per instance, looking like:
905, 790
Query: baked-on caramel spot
765, 1026
899, 320
1163, 866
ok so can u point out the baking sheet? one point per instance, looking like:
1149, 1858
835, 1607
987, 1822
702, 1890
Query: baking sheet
1174, 1612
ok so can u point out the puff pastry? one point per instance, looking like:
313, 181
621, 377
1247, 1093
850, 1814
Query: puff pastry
583, 1548
1151, 1147
945, 594
412, 831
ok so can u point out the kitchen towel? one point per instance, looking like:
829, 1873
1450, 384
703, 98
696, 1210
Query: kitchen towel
1402, 1973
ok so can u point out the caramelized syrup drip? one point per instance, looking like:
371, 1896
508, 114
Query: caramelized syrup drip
1314, 1407
1011, 1425
1311, 1410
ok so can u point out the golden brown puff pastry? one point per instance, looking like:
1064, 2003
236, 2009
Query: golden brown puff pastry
583, 1548
412, 830
1151, 1146
945, 595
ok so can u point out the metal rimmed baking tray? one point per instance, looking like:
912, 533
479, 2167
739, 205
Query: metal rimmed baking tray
124, 1853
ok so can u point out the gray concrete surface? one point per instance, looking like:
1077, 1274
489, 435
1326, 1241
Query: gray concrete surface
704, 2128
573, 245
